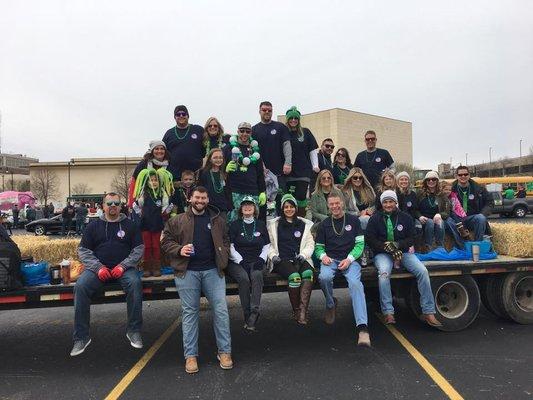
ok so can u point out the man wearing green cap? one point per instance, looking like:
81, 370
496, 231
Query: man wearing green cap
305, 160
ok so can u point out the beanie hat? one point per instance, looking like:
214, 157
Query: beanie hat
293, 113
247, 199
290, 198
401, 174
181, 108
388, 195
154, 143
431, 174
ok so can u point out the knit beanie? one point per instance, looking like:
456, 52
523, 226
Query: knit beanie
388, 195
403, 173
431, 174
181, 108
288, 197
293, 113
154, 143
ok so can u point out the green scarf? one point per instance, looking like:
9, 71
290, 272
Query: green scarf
390, 229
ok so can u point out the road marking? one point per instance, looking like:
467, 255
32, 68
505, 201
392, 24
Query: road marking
138, 367
445, 386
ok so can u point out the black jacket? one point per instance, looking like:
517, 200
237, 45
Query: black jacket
479, 201
376, 231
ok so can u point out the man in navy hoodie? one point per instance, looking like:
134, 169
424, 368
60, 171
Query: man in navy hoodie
110, 249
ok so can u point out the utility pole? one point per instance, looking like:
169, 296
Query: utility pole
490, 161
520, 160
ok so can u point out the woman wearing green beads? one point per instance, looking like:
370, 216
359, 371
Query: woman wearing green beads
244, 168
341, 166
304, 159
249, 247
291, 248
213, 178
213, 135
152, 191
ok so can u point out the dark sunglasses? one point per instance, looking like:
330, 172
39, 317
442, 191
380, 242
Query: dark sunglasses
325, 178
266, 110
341, 155
370, 139
181, 114
432, 179
243, 130
293, 118
357, 178
329, 146
212, 126
463, 174
112, 203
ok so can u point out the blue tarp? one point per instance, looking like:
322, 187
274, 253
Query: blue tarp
440, 254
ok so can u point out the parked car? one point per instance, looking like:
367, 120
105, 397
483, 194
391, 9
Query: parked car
47, 225
517, 207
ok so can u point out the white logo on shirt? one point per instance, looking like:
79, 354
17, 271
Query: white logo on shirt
273, 132
297, 234
158, 203
209, 225
194, 136
257, 234
409, 204
400, 228
471, 197
348, 228
378, 159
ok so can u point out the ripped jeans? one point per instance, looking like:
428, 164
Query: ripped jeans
411, 263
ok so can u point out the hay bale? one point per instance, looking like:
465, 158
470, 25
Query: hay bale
42, 248
513, 239
27, 243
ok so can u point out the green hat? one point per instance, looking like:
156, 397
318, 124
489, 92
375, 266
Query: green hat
288, 197
293, 113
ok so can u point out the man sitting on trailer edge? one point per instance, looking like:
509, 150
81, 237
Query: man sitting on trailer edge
390, 233
110, 249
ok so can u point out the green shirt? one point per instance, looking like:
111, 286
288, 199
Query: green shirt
509, 193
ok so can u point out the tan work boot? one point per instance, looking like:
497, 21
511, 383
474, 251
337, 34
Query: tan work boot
431, 320
225, 360
364, 339
329, 316
191, 365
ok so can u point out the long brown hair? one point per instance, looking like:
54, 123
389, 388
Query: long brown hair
368, 196
208, 166
425, 189
387, 172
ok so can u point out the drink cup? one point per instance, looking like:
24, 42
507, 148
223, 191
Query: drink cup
192, 250
475, 252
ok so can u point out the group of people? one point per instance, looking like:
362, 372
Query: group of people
209, 219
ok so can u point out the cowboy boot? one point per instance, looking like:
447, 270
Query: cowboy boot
305, 295
156, 268
147, 268
294, 297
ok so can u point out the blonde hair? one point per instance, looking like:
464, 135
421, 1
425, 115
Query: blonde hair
368, 196
220, 129
387, 172
318, 187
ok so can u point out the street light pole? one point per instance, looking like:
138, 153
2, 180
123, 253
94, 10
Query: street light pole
490, 161
466, 159
68, 181
520, 160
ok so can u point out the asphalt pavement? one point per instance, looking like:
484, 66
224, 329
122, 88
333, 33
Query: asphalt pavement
492, 359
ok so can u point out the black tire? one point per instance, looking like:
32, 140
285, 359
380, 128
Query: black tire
520, 212
457, 301
40, 230
492, 295
516, 297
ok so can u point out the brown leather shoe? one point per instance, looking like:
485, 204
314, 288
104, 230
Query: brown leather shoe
389, 319
191, 365
329, 316
431, 320
225, 360
363, 339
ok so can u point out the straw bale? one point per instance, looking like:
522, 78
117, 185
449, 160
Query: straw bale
43, 248
513, 239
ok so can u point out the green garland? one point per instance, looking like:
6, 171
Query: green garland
245, 161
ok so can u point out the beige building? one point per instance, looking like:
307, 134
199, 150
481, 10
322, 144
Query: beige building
347, 129
86, 175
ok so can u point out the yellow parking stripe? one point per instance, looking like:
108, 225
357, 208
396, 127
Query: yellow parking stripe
138, 367
445, 386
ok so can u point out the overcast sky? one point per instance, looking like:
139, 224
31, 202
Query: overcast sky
101, 78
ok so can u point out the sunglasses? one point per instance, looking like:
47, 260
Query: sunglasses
325, 178
432, 179
212, 126
112, 203
329, 146
243, 130
181, 114
266, 110
293, 119
463, 174
341, 155
370, 139
357, 178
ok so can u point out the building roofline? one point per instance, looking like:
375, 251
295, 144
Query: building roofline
357, 112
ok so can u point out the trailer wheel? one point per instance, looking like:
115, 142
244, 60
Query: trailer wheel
491, 296
516, 297
520, 212
457, 301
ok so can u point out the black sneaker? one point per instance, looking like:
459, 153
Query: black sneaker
79, 347
135, 339
252, 320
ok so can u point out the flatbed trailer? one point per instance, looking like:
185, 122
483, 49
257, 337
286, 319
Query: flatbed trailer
504, 285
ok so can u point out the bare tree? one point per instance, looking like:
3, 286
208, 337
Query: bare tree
45, 185
121, 181
23, 186
81, 188
505, 162
400, 166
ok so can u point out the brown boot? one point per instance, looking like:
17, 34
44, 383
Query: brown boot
329, 317
294, 297
156, 268
305, 294
147, 268
464, 232
191, 365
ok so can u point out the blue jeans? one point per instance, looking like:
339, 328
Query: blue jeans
411, 263
451, 228
190, 286
355, 286
80, 226
433, 231
88, 284
67, 223
476, 223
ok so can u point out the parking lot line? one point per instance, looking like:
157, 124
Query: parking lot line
138, 367
440, 380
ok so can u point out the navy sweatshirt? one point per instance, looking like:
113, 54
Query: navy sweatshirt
219, 200
376, 231
252, 181
271, 137
151, 218
185, 153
